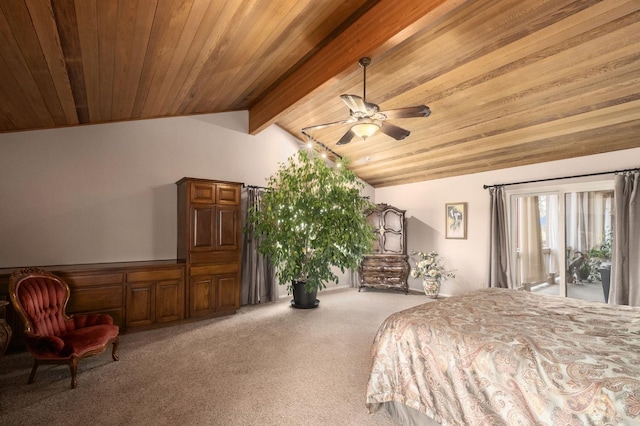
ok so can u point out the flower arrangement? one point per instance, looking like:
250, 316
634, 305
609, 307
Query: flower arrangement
429, 265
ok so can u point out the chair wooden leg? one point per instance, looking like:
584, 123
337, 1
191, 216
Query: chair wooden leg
114, 353
73, 365
32, 376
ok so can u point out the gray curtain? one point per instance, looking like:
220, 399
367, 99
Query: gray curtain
625, 270
354, 278
259, 284
530, 242
499, 266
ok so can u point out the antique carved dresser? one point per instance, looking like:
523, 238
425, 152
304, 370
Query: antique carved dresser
387, 267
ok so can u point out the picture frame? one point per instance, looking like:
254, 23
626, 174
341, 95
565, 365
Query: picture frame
456, 221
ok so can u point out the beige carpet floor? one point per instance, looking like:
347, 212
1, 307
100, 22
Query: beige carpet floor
267, 365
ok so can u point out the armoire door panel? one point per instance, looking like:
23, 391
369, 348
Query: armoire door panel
373, 219
202, 296
203, 192
140, 304
228, 235
227, 297
393, 243
203, 228
227, 194
170, 301
393, 220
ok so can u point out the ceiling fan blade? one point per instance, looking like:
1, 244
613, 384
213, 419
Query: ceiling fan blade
355, 103
322, 126
398, 133
414, 111
346, 138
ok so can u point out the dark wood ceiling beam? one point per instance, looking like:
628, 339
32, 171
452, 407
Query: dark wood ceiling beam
385, 24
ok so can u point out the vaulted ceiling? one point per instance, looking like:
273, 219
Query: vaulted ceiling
509, 82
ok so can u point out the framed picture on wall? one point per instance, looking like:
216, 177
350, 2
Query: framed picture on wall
456, 220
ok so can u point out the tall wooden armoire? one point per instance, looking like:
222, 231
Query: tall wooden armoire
210, 244
387, 267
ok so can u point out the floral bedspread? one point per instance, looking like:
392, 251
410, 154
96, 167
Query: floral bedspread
506, 357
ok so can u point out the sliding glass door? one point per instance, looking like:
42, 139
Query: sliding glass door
588, 235
535, 239
561, 239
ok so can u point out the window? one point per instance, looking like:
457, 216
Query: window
561, 238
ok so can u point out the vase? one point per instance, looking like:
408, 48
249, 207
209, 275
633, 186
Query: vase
431, 287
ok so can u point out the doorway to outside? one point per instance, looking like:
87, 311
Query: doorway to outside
561, 238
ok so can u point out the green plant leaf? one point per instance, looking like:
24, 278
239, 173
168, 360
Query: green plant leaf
311, 219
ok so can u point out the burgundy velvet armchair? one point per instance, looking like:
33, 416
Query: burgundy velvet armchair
51, 336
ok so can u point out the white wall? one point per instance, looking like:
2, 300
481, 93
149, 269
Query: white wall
107, 193
425, 205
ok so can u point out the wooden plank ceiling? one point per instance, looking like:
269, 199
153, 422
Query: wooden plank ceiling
509, 82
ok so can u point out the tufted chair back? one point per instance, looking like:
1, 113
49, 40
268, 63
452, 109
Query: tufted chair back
51, 336
43, 300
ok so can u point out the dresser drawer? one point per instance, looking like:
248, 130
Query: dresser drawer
384, 271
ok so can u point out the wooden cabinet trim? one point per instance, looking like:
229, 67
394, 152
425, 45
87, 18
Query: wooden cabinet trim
160, 275
93, 299
74, 280
214, 269
215, 257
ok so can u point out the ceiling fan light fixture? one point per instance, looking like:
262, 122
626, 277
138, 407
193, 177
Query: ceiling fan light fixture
366, 119
365, 130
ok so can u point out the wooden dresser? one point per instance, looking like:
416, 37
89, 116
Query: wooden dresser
203, 282
387, 267
210, 243
137, 295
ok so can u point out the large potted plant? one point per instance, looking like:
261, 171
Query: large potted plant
601, 261
312, 219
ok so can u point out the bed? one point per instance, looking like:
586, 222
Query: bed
507, 357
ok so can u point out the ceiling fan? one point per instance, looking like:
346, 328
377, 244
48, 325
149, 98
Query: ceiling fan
366, 117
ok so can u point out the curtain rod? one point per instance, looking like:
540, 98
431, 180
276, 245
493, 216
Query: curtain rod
244, 185
563, 177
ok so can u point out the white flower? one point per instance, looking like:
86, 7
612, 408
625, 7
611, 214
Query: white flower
429, 265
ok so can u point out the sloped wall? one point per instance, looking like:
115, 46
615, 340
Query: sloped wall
107, 193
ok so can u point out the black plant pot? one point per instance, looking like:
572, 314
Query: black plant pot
302, 299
